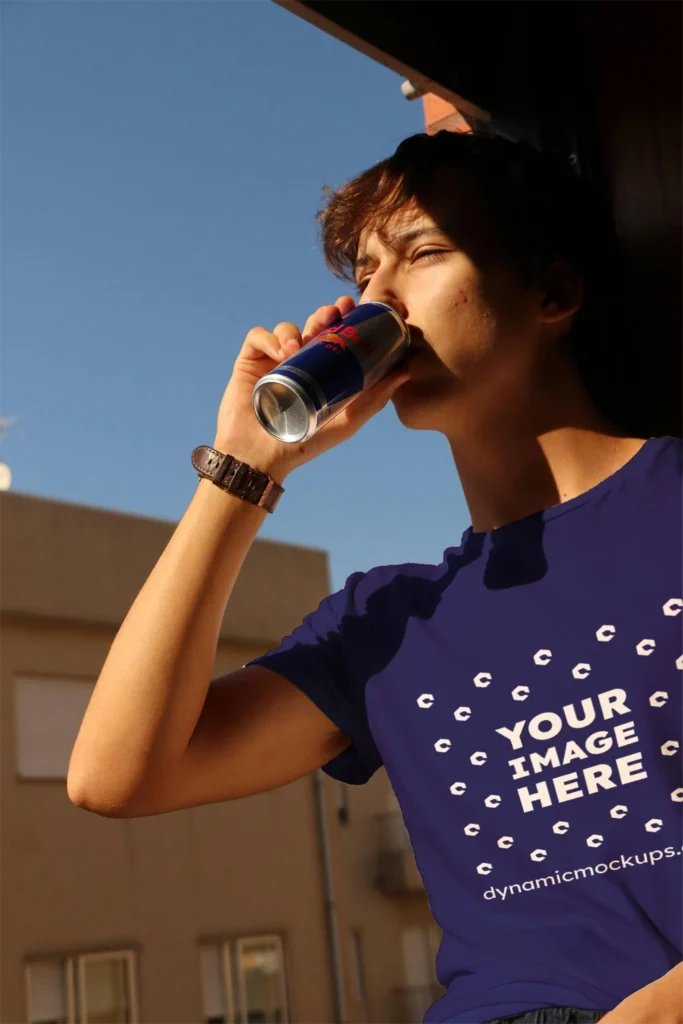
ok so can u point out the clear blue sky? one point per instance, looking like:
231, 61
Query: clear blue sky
162, 164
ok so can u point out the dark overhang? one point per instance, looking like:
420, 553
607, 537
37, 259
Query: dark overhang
484, 57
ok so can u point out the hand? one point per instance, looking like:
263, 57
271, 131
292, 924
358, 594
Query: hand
658, 1003
239, 433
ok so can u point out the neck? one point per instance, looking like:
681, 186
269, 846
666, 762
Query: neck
547, 447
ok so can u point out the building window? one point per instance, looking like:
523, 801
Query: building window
243, 981
342, 803
94, 988
357, 967
47, 715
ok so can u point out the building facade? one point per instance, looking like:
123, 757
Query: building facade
302, 904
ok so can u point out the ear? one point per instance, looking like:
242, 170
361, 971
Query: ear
561, 293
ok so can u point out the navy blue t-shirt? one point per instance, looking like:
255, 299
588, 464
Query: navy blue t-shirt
525, 698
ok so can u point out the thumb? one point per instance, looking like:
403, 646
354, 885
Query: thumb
381, 392
355, 415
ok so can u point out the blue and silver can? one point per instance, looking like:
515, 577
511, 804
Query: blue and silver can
330, 371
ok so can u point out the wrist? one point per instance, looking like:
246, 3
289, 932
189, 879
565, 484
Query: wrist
262, 461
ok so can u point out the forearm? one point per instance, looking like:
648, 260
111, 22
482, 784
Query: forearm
674, 978
660, 1002
154, 682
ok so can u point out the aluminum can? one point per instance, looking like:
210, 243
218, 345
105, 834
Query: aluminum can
330, 371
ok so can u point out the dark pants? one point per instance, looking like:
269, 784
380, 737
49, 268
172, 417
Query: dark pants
553, 1015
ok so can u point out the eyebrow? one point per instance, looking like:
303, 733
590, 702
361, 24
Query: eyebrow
400, 241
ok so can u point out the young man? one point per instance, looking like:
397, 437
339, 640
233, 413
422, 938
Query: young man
525, 694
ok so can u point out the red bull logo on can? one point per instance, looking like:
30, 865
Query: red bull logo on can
333, 343
337, 339
344, 329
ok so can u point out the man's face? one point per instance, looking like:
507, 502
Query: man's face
476, 331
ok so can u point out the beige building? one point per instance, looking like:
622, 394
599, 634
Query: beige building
302, 904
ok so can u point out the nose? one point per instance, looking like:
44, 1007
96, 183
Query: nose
377, 291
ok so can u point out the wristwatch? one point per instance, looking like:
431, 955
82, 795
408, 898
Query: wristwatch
237, 477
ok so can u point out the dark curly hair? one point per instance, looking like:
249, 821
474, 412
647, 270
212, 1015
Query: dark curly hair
542, 211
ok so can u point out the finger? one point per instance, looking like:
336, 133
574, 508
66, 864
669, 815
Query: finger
322, 318
260, 342
289, 338
326, 315
287, 331
345, 304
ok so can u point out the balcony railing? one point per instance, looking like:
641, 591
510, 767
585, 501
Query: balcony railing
396, 870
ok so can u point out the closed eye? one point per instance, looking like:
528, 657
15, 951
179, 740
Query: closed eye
430, 252
434, 254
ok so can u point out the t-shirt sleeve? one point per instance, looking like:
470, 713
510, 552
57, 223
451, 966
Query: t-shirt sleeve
324, 658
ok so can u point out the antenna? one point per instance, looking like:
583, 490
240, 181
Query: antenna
5, 472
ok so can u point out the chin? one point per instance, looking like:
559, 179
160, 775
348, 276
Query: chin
421, 404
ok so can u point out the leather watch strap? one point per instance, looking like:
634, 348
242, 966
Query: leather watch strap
237, 477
